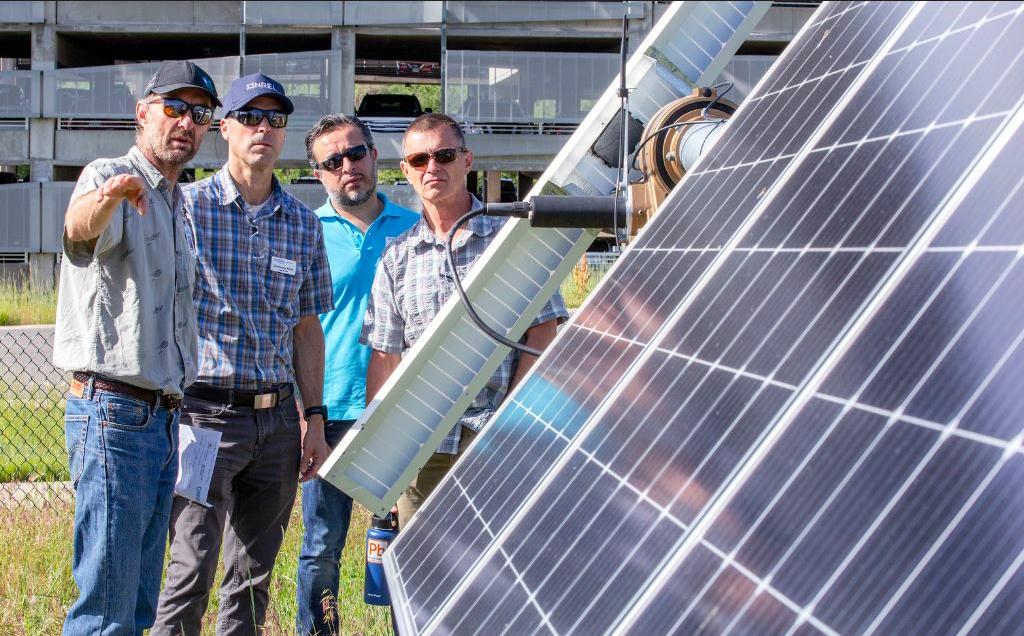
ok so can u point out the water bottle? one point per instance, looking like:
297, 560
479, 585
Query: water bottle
378, 537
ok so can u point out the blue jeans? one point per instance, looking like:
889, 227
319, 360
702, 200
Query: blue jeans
123, 458
325, 514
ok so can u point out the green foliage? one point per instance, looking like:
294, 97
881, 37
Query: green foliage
31, 433
388, 176
21, 304
36, 588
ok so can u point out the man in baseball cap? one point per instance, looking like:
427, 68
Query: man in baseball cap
176, 75
263, 280
126, 331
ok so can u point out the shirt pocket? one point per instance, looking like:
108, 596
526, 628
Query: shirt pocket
285, 273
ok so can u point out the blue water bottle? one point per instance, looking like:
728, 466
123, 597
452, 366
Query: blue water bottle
378, 537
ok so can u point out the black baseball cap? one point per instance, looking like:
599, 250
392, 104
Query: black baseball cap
181, 74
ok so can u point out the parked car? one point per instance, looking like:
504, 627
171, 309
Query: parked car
390, 106
389, 113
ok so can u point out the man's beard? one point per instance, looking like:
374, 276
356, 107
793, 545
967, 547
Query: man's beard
342, 199
165, 152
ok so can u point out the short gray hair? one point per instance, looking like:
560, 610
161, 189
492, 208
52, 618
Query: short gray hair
327, 123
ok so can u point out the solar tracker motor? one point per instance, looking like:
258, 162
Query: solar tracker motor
379, 535
566, 211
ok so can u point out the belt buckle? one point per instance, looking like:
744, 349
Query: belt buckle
264, 400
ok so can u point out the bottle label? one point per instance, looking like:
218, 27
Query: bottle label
375, 550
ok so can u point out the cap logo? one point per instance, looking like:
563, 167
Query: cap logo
253, 85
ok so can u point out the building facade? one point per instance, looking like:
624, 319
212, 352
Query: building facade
519, 75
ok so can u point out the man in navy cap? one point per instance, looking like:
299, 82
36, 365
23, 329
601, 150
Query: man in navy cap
126, 330
262, 281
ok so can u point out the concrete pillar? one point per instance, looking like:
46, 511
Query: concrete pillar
41, 132
493, 192
344, 39
41, 270
526, 181
41, 139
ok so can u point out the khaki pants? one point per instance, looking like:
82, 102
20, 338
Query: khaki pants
429, 477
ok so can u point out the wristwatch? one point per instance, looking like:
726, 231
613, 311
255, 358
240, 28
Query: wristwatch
320, 410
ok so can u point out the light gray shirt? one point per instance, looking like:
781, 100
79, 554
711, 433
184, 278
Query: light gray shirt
124, 307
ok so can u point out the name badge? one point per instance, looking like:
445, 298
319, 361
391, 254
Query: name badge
282, 266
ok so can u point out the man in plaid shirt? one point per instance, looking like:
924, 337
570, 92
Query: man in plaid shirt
413, 283
263, 279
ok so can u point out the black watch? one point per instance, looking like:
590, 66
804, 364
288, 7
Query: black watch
316, 410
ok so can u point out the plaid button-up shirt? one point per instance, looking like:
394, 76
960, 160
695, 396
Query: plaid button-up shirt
411, 286
256, 277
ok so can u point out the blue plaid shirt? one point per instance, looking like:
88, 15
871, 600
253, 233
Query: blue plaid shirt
255, 278
411, 286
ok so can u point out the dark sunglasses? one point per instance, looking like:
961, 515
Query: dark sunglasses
175, 108
335, 161
254, 116
443, 155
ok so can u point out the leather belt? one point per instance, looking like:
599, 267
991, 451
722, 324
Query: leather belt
80, 380
266, 399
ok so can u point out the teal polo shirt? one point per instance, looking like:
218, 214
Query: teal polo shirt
353, 257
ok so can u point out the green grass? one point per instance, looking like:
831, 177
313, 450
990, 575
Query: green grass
573, 293
32, 433
23, 305
36, 587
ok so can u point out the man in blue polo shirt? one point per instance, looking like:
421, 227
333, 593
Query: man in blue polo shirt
357, 222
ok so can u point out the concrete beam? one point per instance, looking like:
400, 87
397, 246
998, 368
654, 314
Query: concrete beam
344, 40
14, 146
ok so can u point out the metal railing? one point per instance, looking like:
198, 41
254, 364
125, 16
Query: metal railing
525, 86
19, 217
19, 94
33, 454
103, 97
504, 11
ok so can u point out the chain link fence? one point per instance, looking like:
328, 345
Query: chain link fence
33, 458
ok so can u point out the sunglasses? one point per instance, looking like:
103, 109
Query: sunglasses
335, 161
175, 108
443, 155
254, 116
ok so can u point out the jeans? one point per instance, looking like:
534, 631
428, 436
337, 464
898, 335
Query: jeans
123, 458
252, 491
325, 514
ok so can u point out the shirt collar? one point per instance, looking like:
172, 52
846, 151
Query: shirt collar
229, 191
478, 225
146, 167
327, 211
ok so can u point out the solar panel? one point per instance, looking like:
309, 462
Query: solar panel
439, 376
794, 405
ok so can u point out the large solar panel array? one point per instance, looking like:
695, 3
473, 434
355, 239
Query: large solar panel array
795, 406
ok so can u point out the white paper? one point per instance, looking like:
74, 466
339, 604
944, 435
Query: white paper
283, 265
197, 454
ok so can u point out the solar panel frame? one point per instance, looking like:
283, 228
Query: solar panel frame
752, 591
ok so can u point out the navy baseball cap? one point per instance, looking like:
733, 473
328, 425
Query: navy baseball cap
181, 74
248, 87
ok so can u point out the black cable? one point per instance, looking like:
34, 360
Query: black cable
648, 138
450, 257
711, 104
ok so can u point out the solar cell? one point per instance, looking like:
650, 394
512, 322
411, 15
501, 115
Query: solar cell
809, 421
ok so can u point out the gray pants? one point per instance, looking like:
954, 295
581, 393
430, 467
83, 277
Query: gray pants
252, 490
